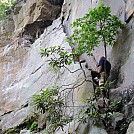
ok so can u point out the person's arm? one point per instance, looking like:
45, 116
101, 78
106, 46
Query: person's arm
100, 65
99, 69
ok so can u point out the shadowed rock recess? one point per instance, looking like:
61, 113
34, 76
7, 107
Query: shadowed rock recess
37, 24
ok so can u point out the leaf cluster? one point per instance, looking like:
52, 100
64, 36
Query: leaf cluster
95, 27
49, 103
93, 113
58, 56
107, 117
116, 106
46, 99
29, 123
123, 125
34, 126
5, 6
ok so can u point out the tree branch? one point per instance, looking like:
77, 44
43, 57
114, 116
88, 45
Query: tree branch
71, 71
83, 70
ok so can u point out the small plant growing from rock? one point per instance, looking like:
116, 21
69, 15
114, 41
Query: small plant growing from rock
30, 123
34, 126
51, 105
110, 116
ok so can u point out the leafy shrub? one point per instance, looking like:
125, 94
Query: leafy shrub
49, 103
116, 106
12, 131
29, 123
34, 126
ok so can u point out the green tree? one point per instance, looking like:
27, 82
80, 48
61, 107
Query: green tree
97, 26
5, 6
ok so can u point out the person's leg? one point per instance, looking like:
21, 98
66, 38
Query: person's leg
95, 74
102, 81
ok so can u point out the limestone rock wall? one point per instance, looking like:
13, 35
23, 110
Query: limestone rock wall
27, 12
6, 30
23, 72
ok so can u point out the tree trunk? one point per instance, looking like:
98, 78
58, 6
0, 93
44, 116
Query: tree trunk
105, 51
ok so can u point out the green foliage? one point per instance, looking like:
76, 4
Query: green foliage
29, 123
116, 106
34, 126
12, 131
91, 113
5, 6
106, 115
95, 27
54, 69
60, 57
94, 114
46, 100
122, 125
49, 103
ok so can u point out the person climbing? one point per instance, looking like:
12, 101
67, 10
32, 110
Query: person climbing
100, 76
104, 67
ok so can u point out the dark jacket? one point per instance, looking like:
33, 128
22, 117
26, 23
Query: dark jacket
105, 65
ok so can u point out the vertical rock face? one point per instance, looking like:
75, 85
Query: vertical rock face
129, 9
6, 29
23, 72
20, 73
122, 56
131, 128
27, 12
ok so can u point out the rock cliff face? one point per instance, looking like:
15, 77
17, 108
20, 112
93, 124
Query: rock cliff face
43, 23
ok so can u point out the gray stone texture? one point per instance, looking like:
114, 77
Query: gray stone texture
131, 128
23, 72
